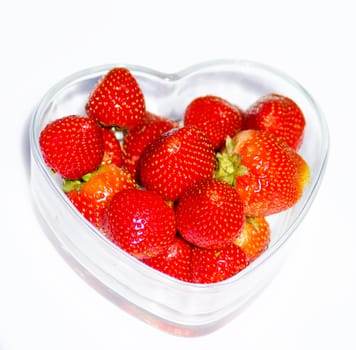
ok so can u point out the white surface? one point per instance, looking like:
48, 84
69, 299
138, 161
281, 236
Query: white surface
311, 303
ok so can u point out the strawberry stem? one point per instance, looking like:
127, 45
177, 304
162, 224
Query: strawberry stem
229, 164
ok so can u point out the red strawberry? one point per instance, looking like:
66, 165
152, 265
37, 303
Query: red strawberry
136, 140
175, 260
279, 115
176, 159
268, 174
112, 148
254, 238
216, 117
93, 195
72, 146
140, 222
210, 214
215, 265
117, 100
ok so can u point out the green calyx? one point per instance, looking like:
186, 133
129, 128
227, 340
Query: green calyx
229, 164
70, 185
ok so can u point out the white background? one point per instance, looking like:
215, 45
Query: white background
311, 303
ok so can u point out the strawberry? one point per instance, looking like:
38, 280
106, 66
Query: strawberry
140, 222
268, 175
112, 148
136, 140
279, 115
92, 195
117, 100
215, 265
215, 116
254, 238
72, 146
210, 214
174, 160
175, 260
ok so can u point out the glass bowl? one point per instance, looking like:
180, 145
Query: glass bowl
175, 306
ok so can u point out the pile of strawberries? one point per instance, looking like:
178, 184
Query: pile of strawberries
188, 199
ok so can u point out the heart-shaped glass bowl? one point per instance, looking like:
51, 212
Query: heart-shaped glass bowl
175, 306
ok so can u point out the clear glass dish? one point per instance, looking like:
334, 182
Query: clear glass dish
175, 306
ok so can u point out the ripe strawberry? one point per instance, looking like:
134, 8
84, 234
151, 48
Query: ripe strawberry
215, 265
268, 175
72, 146
279, 115
175, 260
174, 160
136, 140
117, 100
215, 116
112, 148
140, 222
210, 214
92, 195
254, 238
